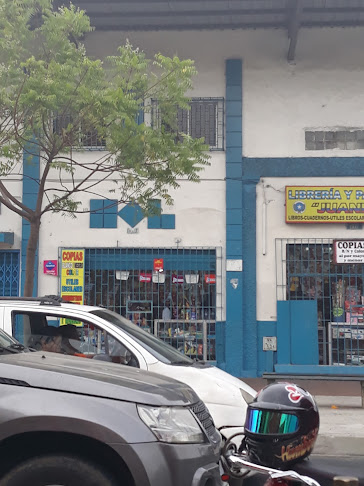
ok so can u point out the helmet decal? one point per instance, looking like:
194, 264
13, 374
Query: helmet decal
295, 394
295, 451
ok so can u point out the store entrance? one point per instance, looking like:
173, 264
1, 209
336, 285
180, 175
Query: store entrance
306, 271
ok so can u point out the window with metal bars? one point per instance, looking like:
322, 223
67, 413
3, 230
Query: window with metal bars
176, 300
306, 270
89, 139
204, 119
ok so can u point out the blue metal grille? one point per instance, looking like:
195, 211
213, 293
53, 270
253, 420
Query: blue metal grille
9, 273
169, 292
306, 271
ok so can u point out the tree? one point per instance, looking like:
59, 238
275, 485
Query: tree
54, 98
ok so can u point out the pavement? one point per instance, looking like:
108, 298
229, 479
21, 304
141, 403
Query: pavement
341, 416
341, 426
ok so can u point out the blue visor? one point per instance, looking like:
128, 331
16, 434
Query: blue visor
268, 422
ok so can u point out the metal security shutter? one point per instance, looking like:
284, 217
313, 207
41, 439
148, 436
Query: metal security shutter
9, 273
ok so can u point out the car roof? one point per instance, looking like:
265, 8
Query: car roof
44, 303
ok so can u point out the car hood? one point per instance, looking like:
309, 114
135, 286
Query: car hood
96, 378
214, 386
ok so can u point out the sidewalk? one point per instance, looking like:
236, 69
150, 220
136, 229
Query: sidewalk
341, 428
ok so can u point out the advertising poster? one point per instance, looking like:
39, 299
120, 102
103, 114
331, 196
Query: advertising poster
72, 279
348, 251
72, 275
158, 264
325, 204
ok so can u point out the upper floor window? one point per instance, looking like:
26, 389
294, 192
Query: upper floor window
204, 119
88, 139
342, 139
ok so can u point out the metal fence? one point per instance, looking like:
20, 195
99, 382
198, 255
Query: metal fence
173, 293
305, 270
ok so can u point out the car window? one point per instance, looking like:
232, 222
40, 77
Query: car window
73, 337
156, 347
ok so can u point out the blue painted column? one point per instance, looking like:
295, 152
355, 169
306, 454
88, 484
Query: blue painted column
250, 327
234, 332
241, 335
31, 174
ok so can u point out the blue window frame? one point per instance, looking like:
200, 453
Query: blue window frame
161, 221
103, 213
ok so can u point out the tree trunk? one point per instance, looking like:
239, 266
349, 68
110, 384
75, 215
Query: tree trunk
30, 259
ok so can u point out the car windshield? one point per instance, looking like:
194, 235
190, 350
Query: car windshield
158, 348
7, 341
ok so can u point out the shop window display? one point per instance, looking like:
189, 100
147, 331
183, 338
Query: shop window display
311, 274
178, 305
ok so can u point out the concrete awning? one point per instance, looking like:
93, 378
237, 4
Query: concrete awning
289, 15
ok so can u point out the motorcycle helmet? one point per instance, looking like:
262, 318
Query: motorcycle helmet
281, 425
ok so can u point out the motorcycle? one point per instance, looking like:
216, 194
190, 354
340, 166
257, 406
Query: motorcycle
280, 431
238, 466
237, 462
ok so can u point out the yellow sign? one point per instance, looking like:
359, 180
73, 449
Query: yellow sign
72, 279
325, 204
72, 275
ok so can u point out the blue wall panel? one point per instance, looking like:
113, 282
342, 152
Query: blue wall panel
135, 258
234, 194
234, 231
235, 170
234, 216
304, 335
234, 331
297, 337
220, 343
168, 221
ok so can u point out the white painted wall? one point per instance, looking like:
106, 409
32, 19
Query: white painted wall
272, 192
200, 221
324, 88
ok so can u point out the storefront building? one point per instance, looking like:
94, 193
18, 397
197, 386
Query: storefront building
246, 261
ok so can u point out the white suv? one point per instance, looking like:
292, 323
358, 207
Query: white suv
98, 333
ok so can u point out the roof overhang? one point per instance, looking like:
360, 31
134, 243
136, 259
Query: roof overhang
290, 15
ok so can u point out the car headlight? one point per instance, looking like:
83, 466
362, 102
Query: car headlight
172, 424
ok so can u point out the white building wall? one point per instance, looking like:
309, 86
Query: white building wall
200, 222
324, 88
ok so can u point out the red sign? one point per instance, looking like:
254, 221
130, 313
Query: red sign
210, 279
158, 264
50, 267
178, 279
145, 277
